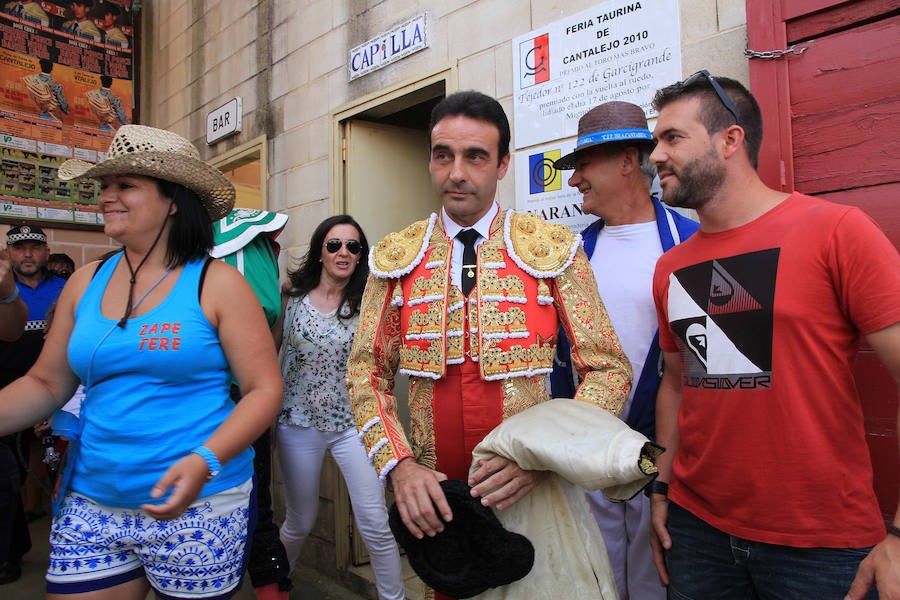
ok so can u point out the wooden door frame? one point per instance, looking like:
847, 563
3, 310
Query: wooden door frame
769, 83
255, 149
770, 27
450, 78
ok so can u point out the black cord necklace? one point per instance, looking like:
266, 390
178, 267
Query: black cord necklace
129, 307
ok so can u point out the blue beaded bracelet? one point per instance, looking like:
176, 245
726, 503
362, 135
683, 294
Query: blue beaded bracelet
12, 298
212, 462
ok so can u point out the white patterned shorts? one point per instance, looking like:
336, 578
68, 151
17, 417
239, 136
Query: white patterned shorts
198, 555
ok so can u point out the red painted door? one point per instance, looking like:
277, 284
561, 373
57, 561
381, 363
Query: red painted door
832, 129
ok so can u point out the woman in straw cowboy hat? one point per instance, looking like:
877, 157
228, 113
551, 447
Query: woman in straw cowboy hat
158, 491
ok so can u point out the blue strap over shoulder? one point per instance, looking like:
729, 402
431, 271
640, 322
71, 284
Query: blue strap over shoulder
673, 229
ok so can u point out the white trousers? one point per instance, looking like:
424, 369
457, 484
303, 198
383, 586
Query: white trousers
301, 451
626, 533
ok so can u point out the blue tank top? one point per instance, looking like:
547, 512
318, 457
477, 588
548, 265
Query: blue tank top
155, 390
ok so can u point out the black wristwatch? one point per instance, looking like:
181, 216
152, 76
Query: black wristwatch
657, 487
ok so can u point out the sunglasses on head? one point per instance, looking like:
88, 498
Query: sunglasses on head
334, 245
726, 101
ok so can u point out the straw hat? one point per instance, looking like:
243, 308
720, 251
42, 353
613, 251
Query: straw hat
608, 123
142, 150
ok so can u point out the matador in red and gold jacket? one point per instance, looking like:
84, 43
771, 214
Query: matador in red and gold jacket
474, 361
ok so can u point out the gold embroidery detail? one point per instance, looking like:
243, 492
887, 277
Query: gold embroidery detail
544, 247
543, 288
491, 284
597, 354
520, 393
370, 376
427, 321
433, 282
439, 253
493, 320
455, 298
421, 417
517, 359
455, 324
647, 462
489, 252
398, 250
476, 338
424, 358
585, 312
424, 287
596, 392
397, 296
454, 349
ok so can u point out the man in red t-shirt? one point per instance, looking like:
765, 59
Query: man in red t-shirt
766, 488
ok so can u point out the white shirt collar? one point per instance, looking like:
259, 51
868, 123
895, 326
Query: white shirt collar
483, 226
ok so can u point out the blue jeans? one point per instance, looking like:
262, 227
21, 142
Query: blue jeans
705, 563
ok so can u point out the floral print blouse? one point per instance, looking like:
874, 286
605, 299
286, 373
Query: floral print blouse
314, 354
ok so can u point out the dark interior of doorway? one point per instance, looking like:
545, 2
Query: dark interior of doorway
411, 110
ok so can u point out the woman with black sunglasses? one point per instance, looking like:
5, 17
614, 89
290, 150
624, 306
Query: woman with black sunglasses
321, 312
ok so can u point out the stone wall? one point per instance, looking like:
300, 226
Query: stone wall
287, 60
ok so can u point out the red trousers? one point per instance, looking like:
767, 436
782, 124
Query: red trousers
465, 409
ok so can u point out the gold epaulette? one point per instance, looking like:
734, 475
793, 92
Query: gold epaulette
540, 248
400, 252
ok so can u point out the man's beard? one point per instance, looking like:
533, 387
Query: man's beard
28, 270
697, 183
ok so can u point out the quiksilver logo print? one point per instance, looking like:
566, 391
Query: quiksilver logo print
721, 312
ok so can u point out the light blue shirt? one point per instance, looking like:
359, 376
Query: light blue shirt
155, 390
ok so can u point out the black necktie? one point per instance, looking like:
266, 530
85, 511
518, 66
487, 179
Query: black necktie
468, 238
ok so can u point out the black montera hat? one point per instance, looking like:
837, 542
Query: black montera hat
474, 552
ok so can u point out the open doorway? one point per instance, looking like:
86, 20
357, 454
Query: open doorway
384, 150
245, 167
385, 185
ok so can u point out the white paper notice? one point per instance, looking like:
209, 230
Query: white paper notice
618, 50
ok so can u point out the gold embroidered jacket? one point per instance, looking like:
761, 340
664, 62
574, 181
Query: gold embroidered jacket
532, 276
